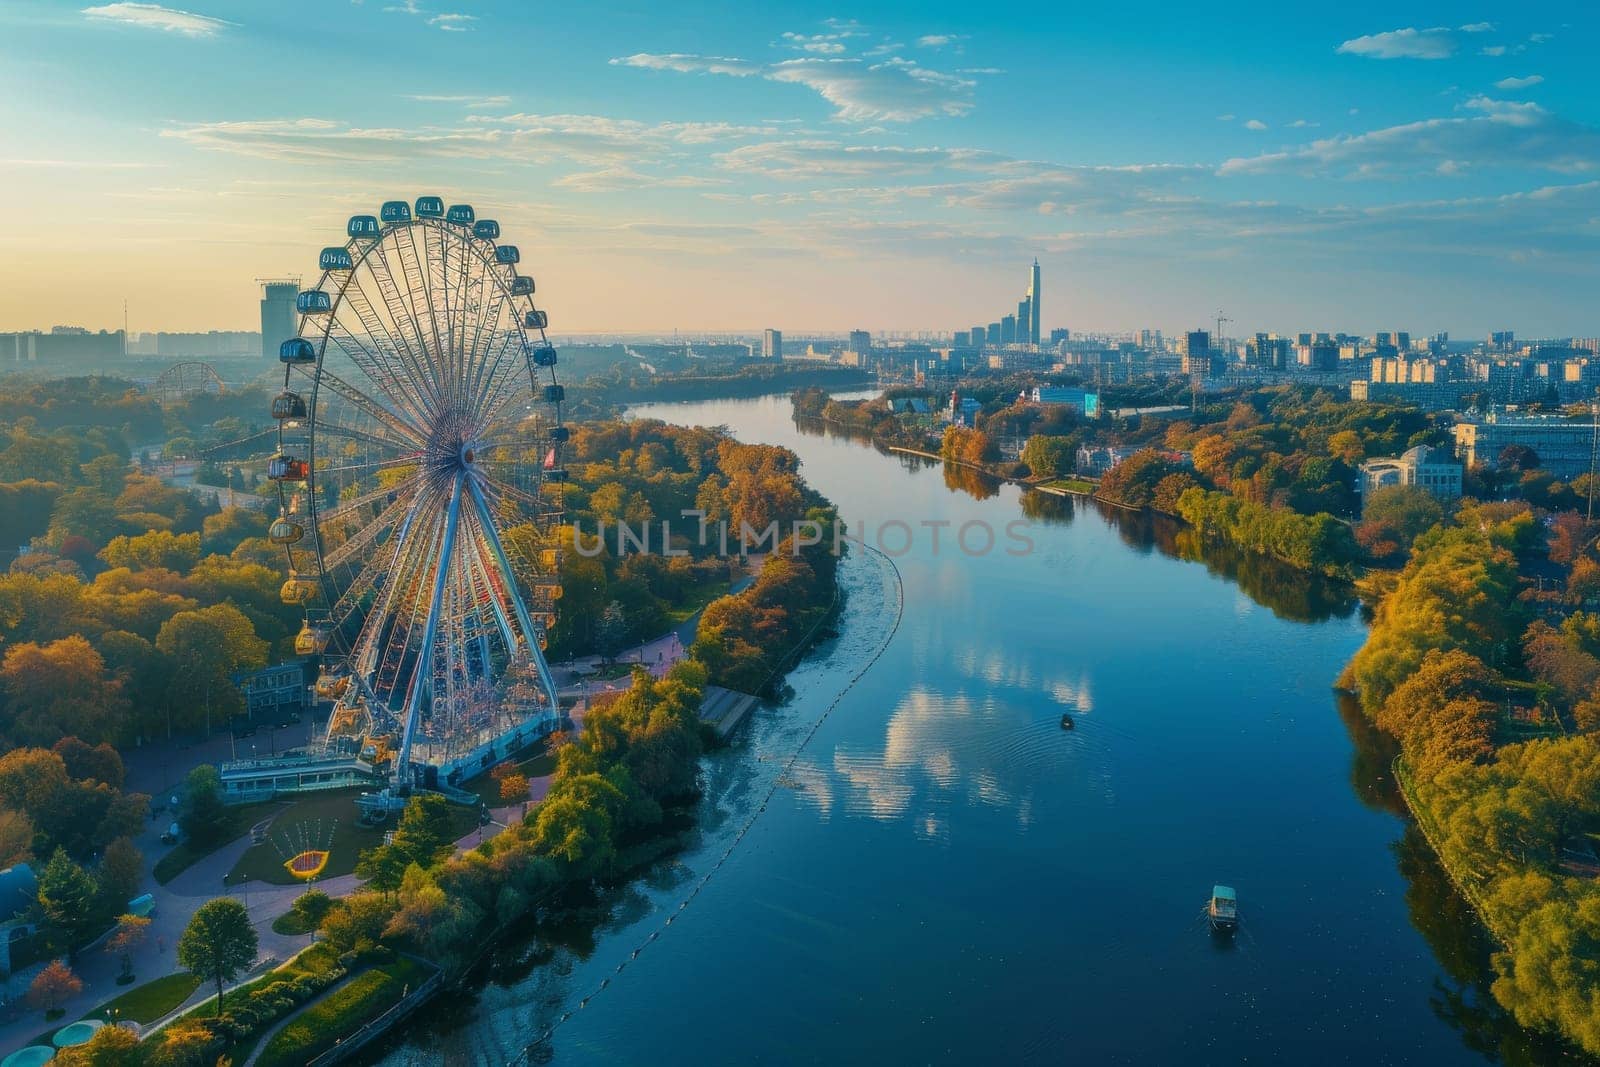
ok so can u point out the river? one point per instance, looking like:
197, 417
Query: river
922, 866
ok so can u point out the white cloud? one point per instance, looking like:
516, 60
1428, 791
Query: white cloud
1478, 27
1303, 124
453, 23
621, 177
465, 99
1496, 133
1410, 43
156, 17
690, 64
939, 40
1229, 117
1541, 38
595, 139
1492, 50
1519, 83
811, 160
1255, 124
894, 90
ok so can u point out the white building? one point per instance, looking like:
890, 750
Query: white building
1427, 468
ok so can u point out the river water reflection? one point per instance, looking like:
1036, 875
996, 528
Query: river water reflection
945, 875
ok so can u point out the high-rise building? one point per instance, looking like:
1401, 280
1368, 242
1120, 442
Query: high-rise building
992, 334
977, 337
961, 339
860, 341
772, 344
278, 318
1008, 330
1033, 303
1024, 318
1197, 354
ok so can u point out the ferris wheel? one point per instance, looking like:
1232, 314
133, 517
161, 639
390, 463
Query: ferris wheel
419, 483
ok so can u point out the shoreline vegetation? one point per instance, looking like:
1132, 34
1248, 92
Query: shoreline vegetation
1481, 659
118, 625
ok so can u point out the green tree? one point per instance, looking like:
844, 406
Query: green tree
424, 833
121, 870
218, 943
204, 816
68, 897
383, 868
1049, 457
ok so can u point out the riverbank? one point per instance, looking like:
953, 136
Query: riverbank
740, 783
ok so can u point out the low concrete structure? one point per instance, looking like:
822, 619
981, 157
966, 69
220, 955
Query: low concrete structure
724, 709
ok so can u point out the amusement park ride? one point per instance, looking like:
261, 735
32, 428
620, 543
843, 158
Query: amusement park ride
418, 473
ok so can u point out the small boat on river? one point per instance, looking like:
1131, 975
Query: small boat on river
1223, 910
1067, 723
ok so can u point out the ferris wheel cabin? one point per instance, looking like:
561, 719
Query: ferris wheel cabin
395, 211
297, 350
487, 229
335, 259
522, 285
461, 215
430, 207
313, 302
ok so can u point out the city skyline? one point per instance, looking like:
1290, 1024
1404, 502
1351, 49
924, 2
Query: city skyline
1301, 170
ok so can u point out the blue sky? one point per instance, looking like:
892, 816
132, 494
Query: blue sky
889, 166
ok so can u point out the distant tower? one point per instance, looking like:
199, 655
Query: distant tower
772, 344
1033, 303
278, 318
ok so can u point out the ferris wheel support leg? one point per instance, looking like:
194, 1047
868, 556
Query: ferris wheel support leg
534, 651
413, 704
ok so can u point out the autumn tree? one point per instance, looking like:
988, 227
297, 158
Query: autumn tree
58, 689
126, 939
207, 647
53, 985
111, 1046
513, 789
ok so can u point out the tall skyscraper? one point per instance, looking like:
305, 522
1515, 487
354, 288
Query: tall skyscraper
278, 318
978, 337
860, 341
772, 344
1008, 330
1033, 303
1024, 319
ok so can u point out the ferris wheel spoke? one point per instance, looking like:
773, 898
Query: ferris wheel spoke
382, 361
351, 433
491, 299
402, 305
362, 538
373, 366
419, 277
353, 506
366, 404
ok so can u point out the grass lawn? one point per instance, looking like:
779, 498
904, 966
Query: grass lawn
148, 1002
536, 761
341, 1013
697, 598
326, 822
185, 854
1071, 485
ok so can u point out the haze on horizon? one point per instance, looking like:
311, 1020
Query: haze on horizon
819, 169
